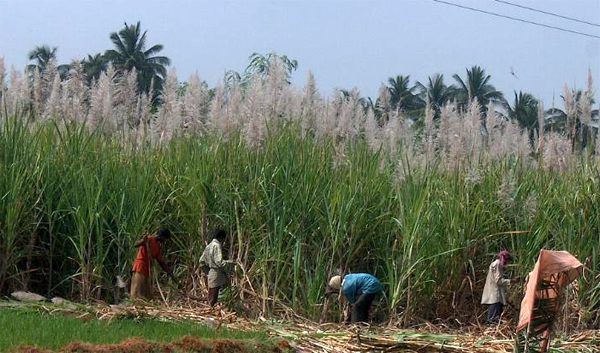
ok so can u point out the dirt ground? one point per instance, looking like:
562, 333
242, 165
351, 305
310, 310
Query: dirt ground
184, 344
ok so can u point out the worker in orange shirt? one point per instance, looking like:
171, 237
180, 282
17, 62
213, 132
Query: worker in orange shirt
149, 247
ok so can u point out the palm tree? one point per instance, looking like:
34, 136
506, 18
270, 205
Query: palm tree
437, 92
232, 76
42, 56
402, 95
525, 111
368, 103
93, 66
130, 51
365, 102
570, 122
261, 64
477, 85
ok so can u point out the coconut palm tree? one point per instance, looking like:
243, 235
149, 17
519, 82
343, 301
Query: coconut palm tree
368, 103
41, 56
402, 96
365, 102
477, 85
570, 122
93, 66
437, 92
130, 51
260, 65
525, 111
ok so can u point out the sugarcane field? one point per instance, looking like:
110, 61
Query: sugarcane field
327, 176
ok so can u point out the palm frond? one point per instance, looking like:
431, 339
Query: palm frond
116, 39
153, 50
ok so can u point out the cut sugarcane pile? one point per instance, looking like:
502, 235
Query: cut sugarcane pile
308, 336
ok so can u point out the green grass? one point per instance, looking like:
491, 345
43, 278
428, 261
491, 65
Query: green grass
74, 202
52, 331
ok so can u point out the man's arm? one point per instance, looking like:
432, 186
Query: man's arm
498, 276
218, 258
167, 269
346, 306
203, 264
140, 242
156, 252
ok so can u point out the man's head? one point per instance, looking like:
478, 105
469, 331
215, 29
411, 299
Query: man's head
504, 256
219, 234
163, 235
335, 282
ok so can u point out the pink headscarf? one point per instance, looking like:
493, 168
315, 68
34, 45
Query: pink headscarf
503, 256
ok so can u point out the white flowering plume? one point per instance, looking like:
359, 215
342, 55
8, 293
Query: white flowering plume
168, 121
195, 106
260, 105
74, 95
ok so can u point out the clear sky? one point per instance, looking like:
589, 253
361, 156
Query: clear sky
346, 43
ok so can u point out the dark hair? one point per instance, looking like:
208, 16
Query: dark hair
219, 234
163, 233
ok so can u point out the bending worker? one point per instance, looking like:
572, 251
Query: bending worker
494, 292
212, 258
359, 289
149, 248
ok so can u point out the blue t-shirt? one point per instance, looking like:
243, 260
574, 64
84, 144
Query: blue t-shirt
357, 284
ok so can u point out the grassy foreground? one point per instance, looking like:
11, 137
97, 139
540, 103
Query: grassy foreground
29, 327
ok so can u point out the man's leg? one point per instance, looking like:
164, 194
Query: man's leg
148, 288
213, 295
491, 313
494, 312
137, 284
360, 309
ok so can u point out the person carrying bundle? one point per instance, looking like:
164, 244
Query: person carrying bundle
149, 248
212, 262
359, 289
494, 292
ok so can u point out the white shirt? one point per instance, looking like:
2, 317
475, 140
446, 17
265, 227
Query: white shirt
494, 290
212, 257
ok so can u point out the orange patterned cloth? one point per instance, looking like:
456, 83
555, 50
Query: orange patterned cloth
559, 267
143, 262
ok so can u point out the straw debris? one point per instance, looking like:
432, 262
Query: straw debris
304, 335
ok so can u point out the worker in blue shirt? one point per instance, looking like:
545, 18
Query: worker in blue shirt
360, 290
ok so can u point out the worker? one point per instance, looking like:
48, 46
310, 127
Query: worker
212, 262
149, 248
494, 292
359, 289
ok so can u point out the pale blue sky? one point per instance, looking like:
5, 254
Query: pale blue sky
346, 43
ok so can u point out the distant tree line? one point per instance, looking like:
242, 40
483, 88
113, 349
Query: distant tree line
130, 51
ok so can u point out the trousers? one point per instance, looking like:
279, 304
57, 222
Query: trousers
360, 309
494, 312
213, 295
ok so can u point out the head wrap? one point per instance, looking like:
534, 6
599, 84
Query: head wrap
504, 256
335, 282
